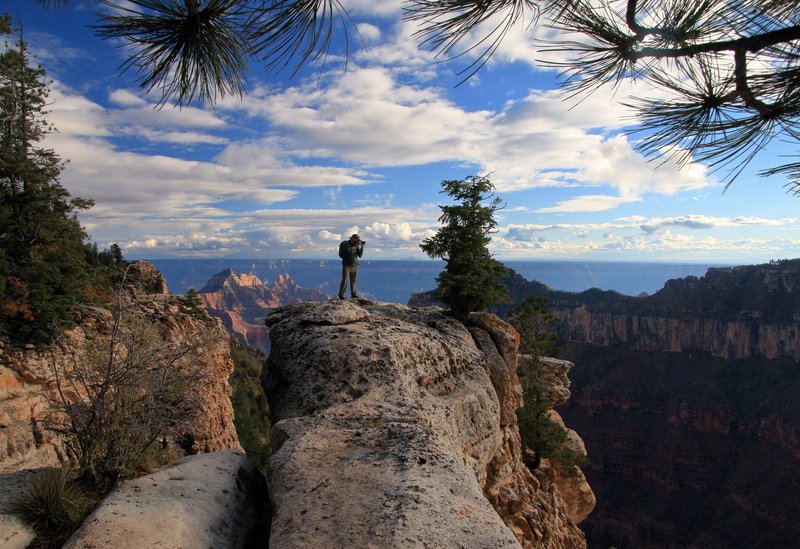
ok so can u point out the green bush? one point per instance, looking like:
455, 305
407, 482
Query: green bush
53, 503
251, 411
193, 305
541, 436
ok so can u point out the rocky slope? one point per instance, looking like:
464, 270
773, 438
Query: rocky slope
395, 427
687, 400
28, 386
734, 312
242, 301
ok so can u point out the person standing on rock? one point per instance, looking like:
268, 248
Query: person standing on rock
350, 251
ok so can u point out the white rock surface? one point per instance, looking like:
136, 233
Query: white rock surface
207, 500
13, 533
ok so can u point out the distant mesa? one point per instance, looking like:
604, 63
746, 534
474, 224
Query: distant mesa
227, 278
242, 301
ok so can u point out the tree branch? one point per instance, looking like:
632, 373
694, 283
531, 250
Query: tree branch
750, 44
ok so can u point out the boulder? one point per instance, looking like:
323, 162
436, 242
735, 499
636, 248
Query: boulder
217, 499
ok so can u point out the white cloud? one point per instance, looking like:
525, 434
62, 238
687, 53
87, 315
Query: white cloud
588, 203
369, 33
700, 222
125, 98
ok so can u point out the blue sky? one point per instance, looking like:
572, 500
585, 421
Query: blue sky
302, 162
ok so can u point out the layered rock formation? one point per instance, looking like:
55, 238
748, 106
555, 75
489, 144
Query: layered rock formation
395, 427
745, 338
687, 400
242, 301
735, 312
28, 386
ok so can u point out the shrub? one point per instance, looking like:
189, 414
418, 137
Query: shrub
541, 436
123, 395
251, 411
53, 503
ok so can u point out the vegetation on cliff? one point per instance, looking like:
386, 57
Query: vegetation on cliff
541, 436
45, 266
121, 398
471, 277
250, 403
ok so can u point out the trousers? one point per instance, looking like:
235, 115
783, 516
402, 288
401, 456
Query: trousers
352, 273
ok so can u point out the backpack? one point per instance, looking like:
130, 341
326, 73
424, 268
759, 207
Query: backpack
342, 252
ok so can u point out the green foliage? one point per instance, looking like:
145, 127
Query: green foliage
53, 503
43, 272
251, 411
471, 279
45, 266
542, 437
193, 304
107, 269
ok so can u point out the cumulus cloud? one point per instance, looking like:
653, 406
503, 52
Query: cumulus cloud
588, 203
125, 98
699, 222
369, 33
293, 168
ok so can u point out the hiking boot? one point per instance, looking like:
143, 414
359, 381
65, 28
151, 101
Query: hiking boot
355, 296
341, 296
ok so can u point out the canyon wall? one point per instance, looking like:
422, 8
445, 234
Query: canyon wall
242, 301
687, 450
395, 427
747, 337
28, 386
687, 400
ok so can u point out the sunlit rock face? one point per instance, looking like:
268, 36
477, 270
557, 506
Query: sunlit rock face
28, 386
242, 301
395, 427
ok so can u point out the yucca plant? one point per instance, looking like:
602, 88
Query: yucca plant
53, 502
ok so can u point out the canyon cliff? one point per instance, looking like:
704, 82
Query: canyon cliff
395, 427
28, 386
30, 393
242, 301
687, 401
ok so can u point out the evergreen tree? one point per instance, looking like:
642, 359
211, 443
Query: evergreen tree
43, 270
541, 436
193, 304
471, 279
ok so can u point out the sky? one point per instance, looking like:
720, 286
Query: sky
361, 144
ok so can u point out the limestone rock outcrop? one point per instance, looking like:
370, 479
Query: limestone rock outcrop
734, 339
28, 386
242, 301
216, 499
395, 427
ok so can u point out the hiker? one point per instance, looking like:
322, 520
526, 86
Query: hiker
350, 251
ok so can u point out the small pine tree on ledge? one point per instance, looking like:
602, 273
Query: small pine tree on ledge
471, 278
541, 436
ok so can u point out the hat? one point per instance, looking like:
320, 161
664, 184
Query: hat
355, 237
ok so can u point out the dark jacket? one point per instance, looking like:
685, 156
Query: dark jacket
350, 254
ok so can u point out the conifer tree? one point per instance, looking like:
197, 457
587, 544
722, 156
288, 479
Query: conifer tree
471, 279
43, 270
